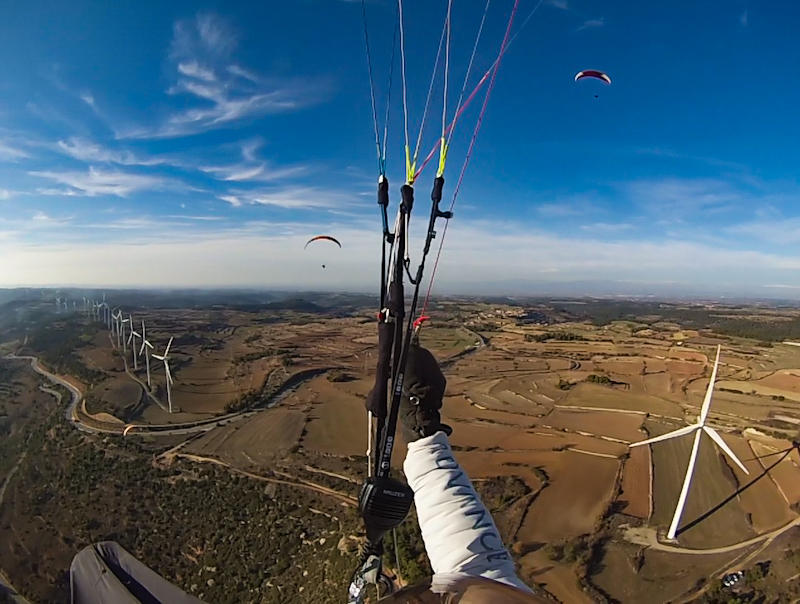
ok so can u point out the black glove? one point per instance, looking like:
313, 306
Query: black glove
423, 390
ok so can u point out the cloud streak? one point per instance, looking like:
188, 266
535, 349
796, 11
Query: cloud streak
292, 198
97, 182
11, 154
591, 24
221, 91
84, 150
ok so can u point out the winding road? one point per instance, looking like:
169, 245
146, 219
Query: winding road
73, 413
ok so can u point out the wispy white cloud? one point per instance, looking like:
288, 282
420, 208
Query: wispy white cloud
677, 197
291, 198
608, 227
259, 172
243, 73
250, 147
195, 70
100, 182
569, 206
231, 199
9, 153
88, 151
743, 18
224, 91
88, 98
591, 23
777, 231
560, 4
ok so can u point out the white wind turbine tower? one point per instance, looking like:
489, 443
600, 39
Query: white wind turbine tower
58, 305
124, 342
698, 429
117, 326
144, 349
66, 309
132, 340
165, 357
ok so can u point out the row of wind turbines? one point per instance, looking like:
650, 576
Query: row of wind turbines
117, 325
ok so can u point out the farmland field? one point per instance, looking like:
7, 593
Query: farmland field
636, 481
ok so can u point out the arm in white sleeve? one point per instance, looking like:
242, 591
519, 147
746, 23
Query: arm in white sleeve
459, 533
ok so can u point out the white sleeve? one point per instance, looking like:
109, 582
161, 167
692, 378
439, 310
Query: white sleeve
459, 533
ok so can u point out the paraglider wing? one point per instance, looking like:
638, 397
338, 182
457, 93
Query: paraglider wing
325, 237
593, 73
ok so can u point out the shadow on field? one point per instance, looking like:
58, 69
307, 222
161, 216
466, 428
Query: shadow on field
783, 455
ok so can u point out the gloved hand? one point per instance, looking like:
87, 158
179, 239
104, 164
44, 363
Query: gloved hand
423, 390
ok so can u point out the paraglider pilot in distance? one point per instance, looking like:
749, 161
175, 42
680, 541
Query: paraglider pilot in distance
470, 562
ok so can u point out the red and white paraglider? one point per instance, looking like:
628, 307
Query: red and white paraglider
593, 74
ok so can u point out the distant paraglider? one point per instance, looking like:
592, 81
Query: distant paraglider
322, 237
593, 74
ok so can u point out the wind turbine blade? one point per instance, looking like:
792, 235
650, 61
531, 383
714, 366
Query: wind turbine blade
166, 352
687, 481
709, 391
722, 445
169, 374
667, 436
160, 358
149, 345
141, 350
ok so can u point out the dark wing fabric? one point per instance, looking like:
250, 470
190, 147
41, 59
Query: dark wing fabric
593, 73
106, 573
323, 238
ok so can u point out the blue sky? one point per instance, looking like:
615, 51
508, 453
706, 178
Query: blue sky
201, 143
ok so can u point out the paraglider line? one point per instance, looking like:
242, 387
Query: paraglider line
389, 98
412, 166
477, 88
372, 89
449, 131
503, 48
443, 151
403, 72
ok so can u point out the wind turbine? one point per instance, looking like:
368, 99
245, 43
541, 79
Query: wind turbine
165, 357
132, 340
144, 349
124, 342
698, 429
66, 308
116, 317
58, 305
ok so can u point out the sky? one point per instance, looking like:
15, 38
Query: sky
201, 144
